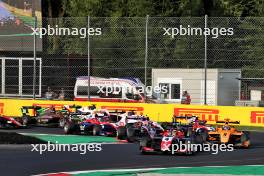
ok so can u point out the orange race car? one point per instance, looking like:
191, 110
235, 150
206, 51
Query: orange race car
227, 134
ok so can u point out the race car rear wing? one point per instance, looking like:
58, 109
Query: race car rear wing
25, 109
116, 111
176, 118
75, 106
143, 118
230, 122
31, 107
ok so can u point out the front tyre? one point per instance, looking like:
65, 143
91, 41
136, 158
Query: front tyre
62, 123
68, 128
96, 130
121, 133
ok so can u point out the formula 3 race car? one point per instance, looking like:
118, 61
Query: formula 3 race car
43, 116
227, 134
168, 141
198, 126
10, 123
133, 127
98, 122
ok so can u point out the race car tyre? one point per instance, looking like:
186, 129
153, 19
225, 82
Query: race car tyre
204, 134
2, 125
144, 142
68, 128
189, 132
189, 152
197, 139
96, 130
245, 140
121, 133
62, 122
130, 135
25, 120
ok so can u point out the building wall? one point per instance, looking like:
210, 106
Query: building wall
192, 81
229, 86
222, 85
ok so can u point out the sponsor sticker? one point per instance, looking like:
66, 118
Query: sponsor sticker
257, 117
204, 114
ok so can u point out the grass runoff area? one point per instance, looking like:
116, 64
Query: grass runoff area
205, 170
15, 138
72, 139
32, 138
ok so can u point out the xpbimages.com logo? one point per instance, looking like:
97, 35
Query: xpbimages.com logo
191, 147
190, 31
61, 31
55, 147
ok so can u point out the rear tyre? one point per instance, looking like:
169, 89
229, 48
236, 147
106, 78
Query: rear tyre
121, 133
130, 135
245, 140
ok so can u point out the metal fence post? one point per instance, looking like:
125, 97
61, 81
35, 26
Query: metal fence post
35, 55
3, 76
88, 58
146, 53
205, 61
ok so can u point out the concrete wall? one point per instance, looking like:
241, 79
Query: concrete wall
193, 82
228, 86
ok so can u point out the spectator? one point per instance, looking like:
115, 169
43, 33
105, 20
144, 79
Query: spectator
61, 94
186, 98
49, 95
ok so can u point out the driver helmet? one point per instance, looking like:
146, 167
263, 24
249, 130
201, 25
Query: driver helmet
225, 127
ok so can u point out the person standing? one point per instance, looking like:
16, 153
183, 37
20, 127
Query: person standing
186, 98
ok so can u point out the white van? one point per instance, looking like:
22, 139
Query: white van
108, 89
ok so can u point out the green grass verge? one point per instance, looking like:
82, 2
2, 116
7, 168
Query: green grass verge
15, 138
72, 139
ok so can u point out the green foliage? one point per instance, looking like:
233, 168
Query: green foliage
126, 42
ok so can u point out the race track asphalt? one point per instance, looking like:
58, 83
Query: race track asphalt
19, 160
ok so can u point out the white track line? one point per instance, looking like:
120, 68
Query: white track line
134, 170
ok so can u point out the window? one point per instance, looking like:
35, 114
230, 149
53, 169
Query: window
167, 94
94, 91
129, 95
133, 96
113, 92
83, 91
173, 91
